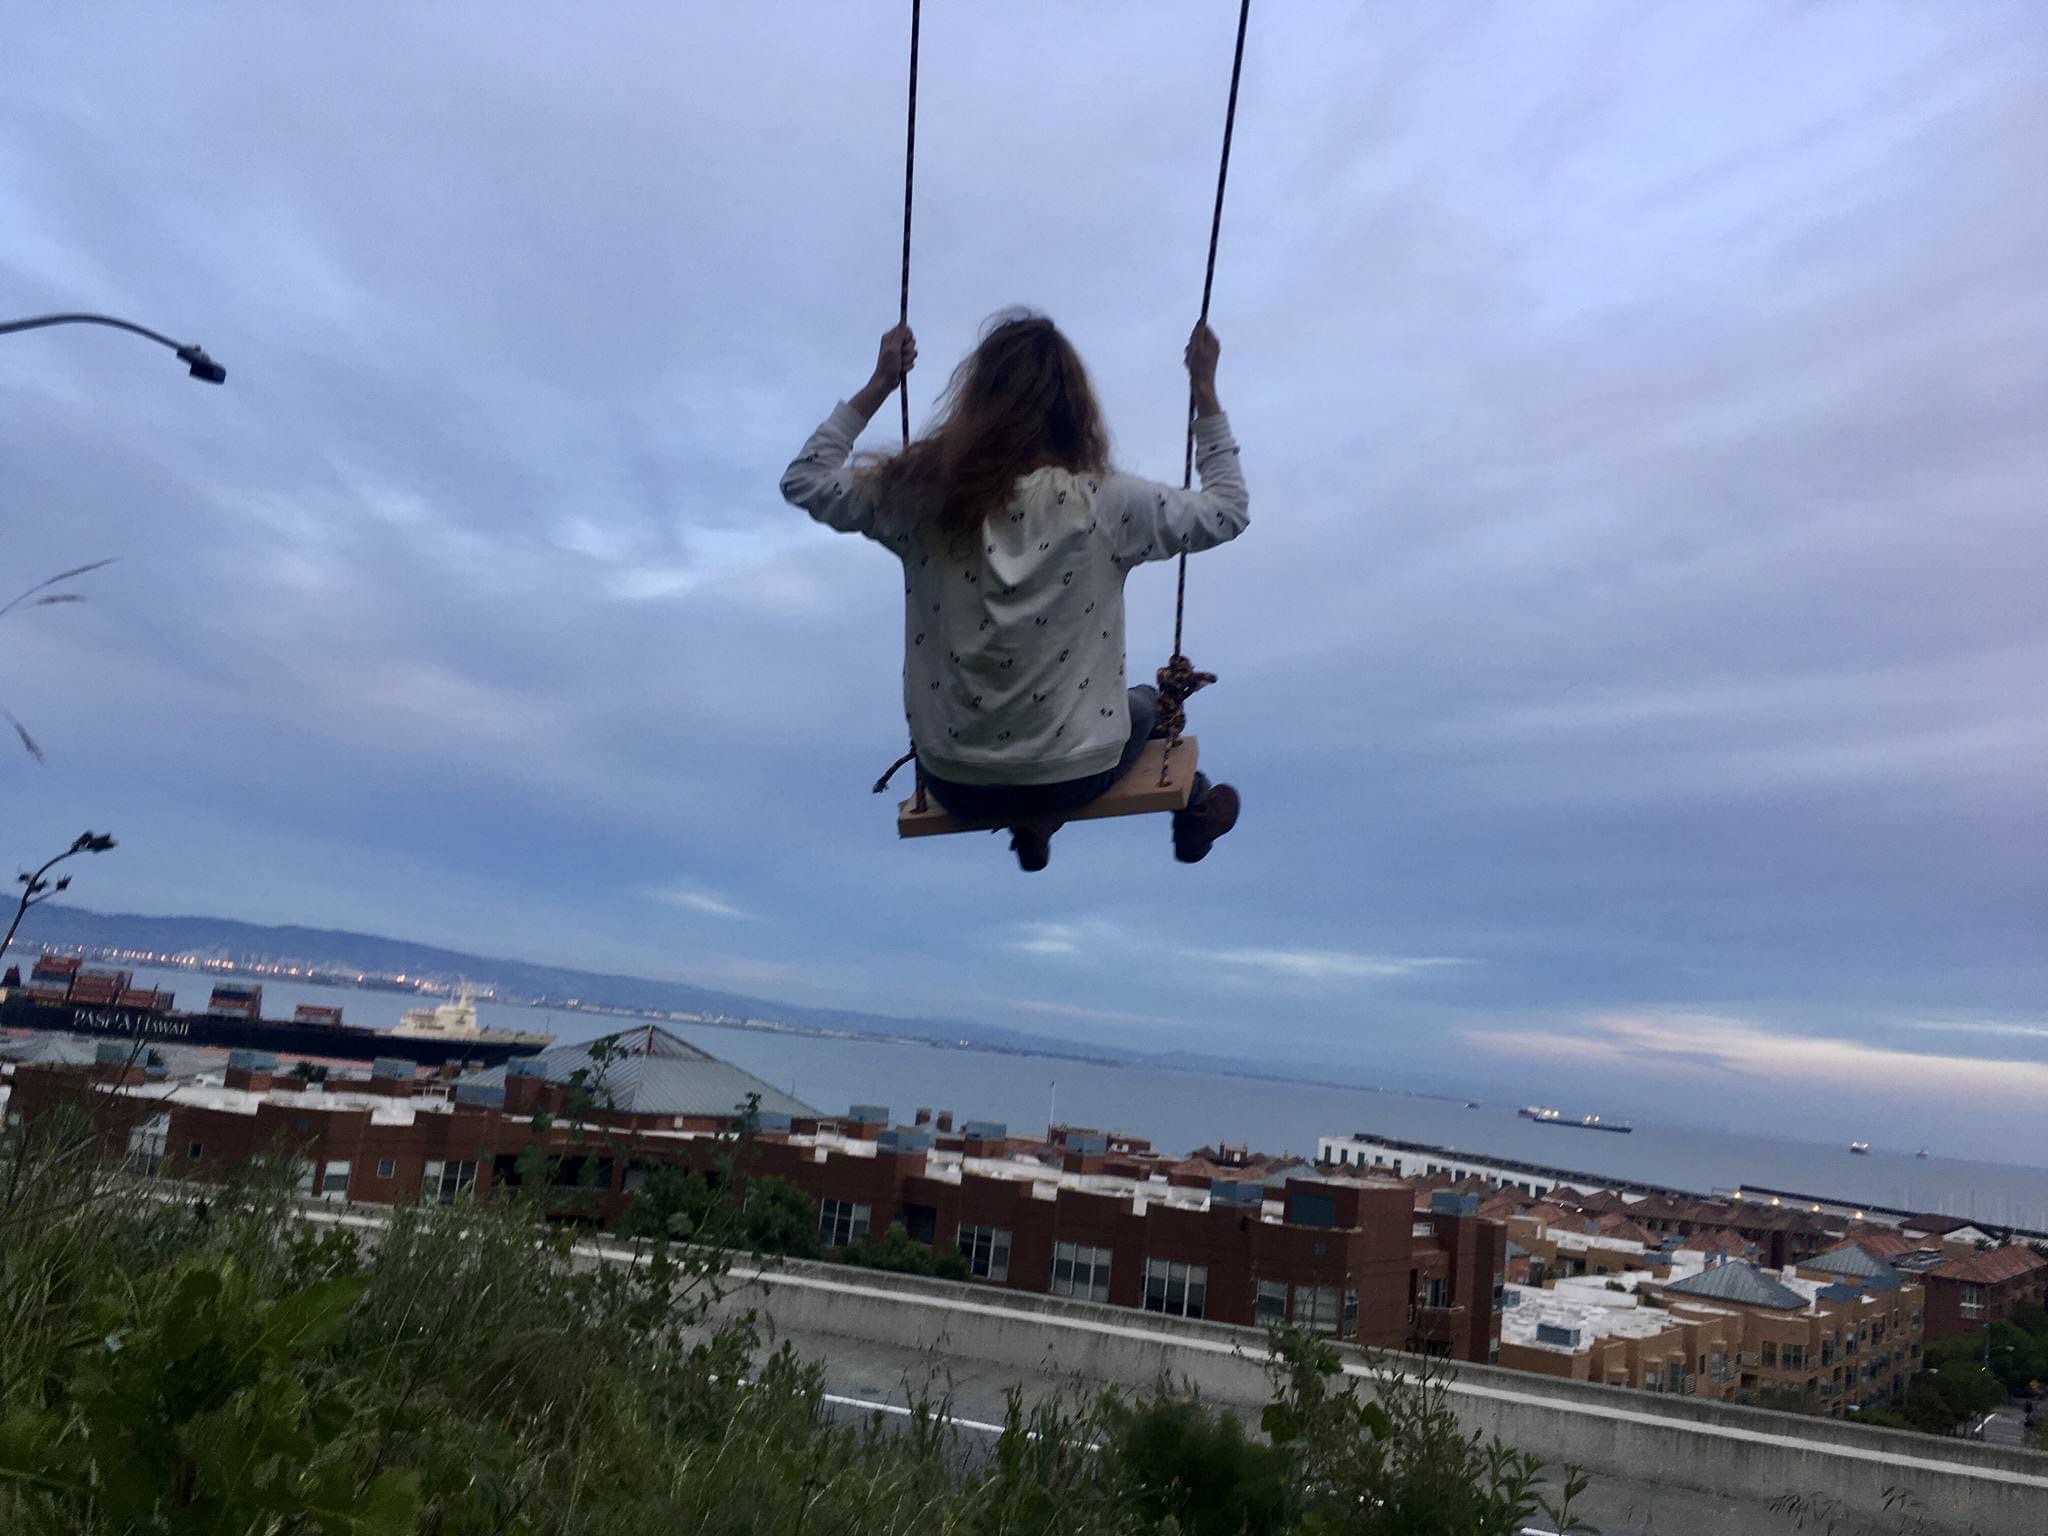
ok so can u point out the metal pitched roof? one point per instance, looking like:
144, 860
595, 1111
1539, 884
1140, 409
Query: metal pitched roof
1851, 1259
657, 1073
1743, 1284
65, 1050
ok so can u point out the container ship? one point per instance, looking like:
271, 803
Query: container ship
1543, 1114
62, 995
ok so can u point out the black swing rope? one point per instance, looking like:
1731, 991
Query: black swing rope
903, 318
1178, 678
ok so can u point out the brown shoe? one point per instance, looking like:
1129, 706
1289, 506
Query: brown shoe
1211, 813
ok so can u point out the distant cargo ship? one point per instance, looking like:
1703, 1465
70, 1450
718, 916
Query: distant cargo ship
1860, 1148
1543, 1114
60, 995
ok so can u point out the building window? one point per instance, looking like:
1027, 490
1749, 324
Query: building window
842, 1221
192, 1151
1972, 1299
306, 1169
1080, 1271
1653, 1381
988, 1252
1178, 1290
1436, 1292
1718, 1365
387, 1167
146, 1145
1315, 1308
1500, 1290
1770, 1355
444, 1183
334, 1181
1270, 1311
1347, 1326
1793, 1357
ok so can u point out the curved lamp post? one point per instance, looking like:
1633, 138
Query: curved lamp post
203, 367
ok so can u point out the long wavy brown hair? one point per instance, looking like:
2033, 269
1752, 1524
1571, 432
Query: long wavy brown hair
1019, 401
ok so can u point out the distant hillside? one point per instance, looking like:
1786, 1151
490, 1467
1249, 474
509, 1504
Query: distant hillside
338, 950
333, 949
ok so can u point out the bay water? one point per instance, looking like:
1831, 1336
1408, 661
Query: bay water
1179, 1111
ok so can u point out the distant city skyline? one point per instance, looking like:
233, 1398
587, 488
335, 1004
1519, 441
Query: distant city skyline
1635, 668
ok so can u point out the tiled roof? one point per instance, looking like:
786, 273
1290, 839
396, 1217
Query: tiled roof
658, 1074
1743, 1284
1933, 1224
2008, 1263
1882, 1242
1628, 1231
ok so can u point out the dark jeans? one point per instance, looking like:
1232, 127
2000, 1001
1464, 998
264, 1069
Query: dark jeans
1034, 802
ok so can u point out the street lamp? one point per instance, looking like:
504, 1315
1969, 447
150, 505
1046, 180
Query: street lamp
203, 367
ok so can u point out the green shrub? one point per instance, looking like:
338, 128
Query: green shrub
173, 1364
897, 1253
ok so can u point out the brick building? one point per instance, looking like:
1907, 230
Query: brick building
1971, 1292
1775, 1230
1085, 1216
1842, 1331
1583, 1334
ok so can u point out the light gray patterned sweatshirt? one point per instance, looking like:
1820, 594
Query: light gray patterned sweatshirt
1013, 656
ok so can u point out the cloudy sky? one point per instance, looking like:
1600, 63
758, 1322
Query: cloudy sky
1636, 671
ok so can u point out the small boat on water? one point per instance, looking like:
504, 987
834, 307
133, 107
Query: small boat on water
1860, 1148
1921, 1154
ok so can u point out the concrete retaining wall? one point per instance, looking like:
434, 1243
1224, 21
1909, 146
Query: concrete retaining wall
1705, 1447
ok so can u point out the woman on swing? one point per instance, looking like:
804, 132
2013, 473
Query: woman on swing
1015, 536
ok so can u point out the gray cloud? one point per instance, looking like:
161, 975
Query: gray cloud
1642, 413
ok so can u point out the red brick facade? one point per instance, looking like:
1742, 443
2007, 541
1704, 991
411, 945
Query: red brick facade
1964, 1295
1351, 1257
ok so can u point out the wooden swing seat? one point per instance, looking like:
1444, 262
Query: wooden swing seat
1137, 793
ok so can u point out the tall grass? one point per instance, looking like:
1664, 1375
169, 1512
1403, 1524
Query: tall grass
175, 1363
